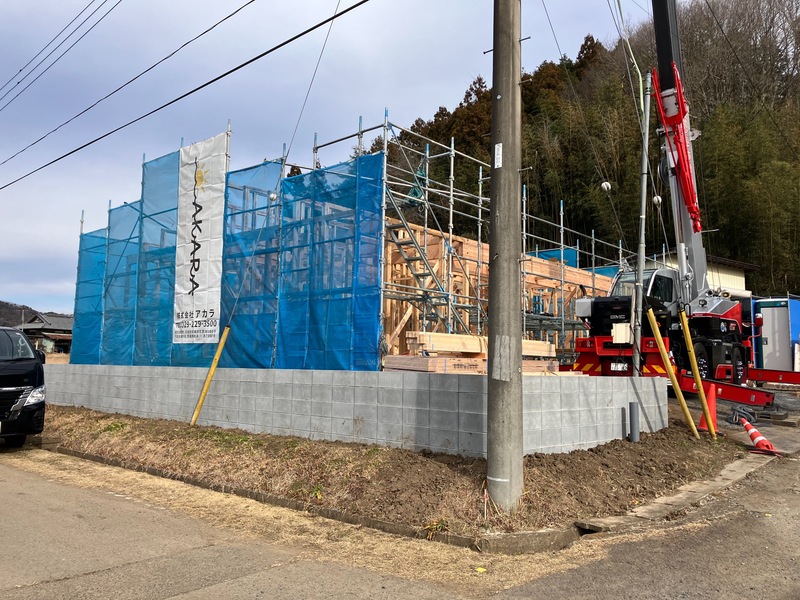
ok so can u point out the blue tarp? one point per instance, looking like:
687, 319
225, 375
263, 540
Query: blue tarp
301, 272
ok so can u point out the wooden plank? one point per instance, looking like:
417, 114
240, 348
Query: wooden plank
469, 344
457, 364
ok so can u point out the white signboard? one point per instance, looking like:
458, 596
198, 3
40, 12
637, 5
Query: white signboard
198, 255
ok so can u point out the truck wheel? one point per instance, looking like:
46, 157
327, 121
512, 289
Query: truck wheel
15, 441
737, 362
701, 356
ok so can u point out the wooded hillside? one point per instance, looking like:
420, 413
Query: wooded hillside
581, 127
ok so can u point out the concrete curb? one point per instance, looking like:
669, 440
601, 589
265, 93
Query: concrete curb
686, 496
544, 540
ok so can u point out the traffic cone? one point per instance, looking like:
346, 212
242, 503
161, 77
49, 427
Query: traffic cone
760, 442
711, 401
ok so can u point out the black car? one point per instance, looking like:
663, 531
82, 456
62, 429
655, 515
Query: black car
22, 390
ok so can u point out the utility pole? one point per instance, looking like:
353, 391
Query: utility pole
637, 322
504, 412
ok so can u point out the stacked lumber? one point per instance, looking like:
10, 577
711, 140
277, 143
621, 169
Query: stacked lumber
460, 364
425, 343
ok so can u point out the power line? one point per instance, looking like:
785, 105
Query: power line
189, 93
311, 83
127, 83
49, 54
47, 44
752, 84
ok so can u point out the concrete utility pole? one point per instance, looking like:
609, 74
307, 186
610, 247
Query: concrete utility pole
637, 322
504, 417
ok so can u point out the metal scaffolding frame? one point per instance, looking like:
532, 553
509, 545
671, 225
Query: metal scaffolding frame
421, 205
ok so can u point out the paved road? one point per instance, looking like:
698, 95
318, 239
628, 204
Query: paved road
73, 529
58, 541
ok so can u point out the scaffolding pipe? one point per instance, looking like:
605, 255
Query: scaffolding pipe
450, 237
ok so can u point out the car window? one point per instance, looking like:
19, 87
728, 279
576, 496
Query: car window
13, 345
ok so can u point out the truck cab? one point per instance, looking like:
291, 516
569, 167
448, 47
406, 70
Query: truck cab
22, 389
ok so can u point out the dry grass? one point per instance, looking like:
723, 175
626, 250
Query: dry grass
440, 492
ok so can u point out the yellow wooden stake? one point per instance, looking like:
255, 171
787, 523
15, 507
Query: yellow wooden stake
687, 336
671, 372
211, 370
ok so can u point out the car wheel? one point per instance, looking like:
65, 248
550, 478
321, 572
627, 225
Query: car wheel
701, 356
15, 441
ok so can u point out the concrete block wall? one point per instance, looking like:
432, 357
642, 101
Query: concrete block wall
438, 412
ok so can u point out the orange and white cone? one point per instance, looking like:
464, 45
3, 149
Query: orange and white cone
760, 442
711, 401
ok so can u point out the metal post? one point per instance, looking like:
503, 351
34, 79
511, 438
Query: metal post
561, 310
450, 237
594, 268
637, 323
504, 419
480, 245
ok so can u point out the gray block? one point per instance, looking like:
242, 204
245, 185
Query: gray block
343, 394
247, 419
589, 434
321, 424
471, 444
417, 417
301, 424
263, 420
551, 437
365, 412
282, 390
532, 384
444, 382
342, 410
342, 428
390, 380
588, 417
472, 402
416, 381
551, 419
444, 419
366, 395
265, 375
322, 378
389, 432
282, 405
321, 409
416, 399
301, 407
366, 379
473, 384
531, 441
570, 436
390, 397
283, 376
444, 440
364, 431
570, 418
532, 421
343, 378
390, 414
415, 436
247, 403
322, 393
472, 423
264, 404
249, 388
301, 391
444, 400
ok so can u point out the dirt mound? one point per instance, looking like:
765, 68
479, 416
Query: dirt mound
440, 492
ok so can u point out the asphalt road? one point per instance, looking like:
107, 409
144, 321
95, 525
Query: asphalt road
59, 541
73, 529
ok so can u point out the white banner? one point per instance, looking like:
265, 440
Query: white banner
198, 255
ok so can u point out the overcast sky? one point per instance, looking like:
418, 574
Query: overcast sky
409, 56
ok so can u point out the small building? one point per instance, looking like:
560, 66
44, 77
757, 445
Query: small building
49, 332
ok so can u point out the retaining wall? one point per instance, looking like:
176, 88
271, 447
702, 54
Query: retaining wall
439, 412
